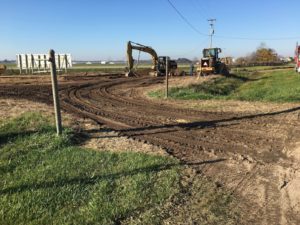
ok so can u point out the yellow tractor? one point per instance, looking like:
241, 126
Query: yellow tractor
210, 63
2, 68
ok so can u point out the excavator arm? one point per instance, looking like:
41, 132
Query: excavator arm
135, 46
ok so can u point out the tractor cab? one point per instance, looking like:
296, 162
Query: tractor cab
211, 52
210, 62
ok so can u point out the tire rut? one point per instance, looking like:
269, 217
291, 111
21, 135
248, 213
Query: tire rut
248, 149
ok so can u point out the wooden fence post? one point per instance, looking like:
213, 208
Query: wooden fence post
167, 77
55, 92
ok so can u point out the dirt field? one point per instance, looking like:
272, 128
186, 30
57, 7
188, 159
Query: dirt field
251, 149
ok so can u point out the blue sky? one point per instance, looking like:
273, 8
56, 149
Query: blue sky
99, 30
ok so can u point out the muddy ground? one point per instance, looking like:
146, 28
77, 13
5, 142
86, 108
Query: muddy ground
251, 149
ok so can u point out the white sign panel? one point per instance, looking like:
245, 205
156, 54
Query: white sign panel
40, 62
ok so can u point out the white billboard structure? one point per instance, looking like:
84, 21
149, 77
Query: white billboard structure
38, 63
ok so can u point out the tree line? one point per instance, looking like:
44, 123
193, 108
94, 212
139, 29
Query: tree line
262, 56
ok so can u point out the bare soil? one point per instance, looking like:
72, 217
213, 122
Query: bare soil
89, 133
250, 149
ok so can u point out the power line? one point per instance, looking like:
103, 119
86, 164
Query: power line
203, 8
196, 48
228, 37
257, 39
199, 8
185, 19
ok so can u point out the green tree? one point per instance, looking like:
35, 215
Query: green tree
264, 54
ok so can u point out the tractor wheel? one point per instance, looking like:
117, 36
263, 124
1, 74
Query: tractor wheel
223, 70
201, 74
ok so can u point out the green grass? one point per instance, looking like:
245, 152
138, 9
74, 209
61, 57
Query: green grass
114, 68
207, 204
45, 179
79, 68
274, 86
215, 88
261, 68
277, 86
11, 65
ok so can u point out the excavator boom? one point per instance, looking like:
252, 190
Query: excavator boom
136, 46
159, 63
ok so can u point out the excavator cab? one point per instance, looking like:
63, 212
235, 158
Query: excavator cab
161, 65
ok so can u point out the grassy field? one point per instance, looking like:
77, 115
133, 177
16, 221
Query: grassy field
271, 86
47, 180
107, 68
261, 68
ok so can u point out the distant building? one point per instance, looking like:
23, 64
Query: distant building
103, 62
111, 63
286, 59
88, 63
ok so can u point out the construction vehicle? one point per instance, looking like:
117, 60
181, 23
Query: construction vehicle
210, 63
227, 60
159, 62
2, 68
297, 58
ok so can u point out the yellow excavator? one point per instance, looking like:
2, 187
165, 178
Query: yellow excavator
2, 68
159, 62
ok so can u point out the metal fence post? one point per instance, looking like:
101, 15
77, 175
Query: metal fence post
66, 63
167, 77
58, 62
26, 63
32, 64
55, 92
45, 63
39, 62
20, 62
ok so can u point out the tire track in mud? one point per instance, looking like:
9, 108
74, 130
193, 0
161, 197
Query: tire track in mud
247, 149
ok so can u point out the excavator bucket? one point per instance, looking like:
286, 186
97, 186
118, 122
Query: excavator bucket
2, 68
130, 74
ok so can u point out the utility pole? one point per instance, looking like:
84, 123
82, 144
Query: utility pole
212, 31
